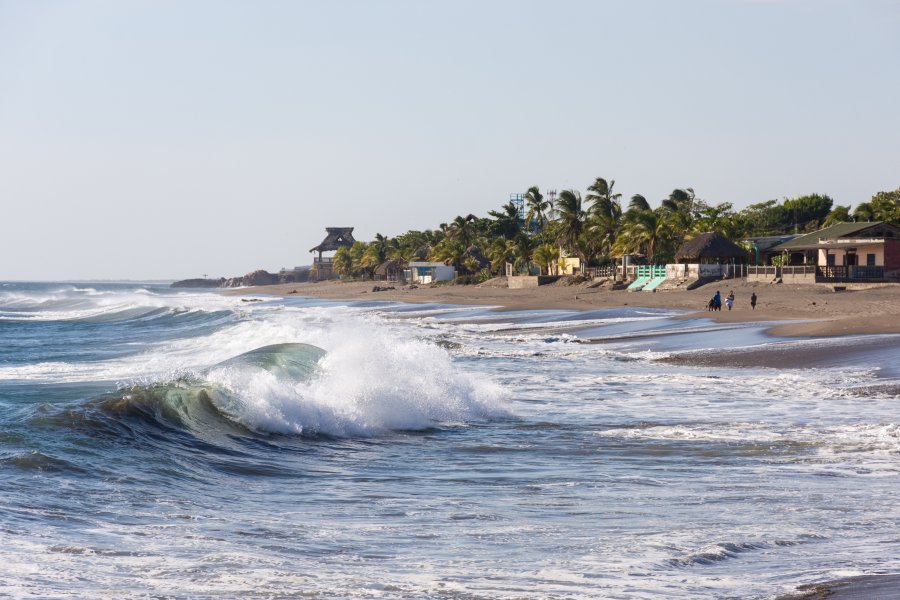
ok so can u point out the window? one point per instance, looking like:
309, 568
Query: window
829, 260
870, 260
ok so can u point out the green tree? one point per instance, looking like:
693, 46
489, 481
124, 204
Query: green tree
807, 213
537, 207
462, 230
571, 222
343, 262
603, 216
884, 206
838, 214
545, 256
643, 232
506, 221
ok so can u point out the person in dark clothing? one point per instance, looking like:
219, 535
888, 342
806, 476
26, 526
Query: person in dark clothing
717, 301
753, 301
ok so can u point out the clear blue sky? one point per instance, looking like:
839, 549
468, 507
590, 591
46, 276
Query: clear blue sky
154, 139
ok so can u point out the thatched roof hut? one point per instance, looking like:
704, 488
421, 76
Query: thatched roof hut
338, 237
712, 247
390, 269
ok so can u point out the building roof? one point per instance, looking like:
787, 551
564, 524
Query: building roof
767, 242
394, 264
710, 245
841, 230
338, 237
426, 264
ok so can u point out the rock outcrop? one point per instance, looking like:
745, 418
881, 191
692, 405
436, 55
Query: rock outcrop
258, 277
199, 283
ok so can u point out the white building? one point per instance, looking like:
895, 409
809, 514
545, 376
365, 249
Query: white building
430, 272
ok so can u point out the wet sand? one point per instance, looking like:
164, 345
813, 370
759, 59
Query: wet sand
820, 310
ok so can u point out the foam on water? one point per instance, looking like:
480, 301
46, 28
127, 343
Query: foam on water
367, 384
435, 451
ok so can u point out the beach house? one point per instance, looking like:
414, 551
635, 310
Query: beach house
429, 272
846, 252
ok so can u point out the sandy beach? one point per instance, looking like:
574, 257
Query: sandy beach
811, 310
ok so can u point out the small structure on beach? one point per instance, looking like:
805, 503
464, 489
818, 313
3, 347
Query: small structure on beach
710, 248
429, 272
337, 237
390, 270
847, 252
709, 255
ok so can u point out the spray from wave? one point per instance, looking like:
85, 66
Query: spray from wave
364, 387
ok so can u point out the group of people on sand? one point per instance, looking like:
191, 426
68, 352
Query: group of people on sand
715, 302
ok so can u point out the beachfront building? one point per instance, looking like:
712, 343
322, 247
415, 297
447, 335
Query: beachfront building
429, 272
337, 237
708, 255
846, 252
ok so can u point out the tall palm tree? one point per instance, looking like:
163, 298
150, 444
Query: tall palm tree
537, 209
571, 221
638, 202
604, 214
500, 252
642, 231
462, 229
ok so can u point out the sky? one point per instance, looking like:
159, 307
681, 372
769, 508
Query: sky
173, 139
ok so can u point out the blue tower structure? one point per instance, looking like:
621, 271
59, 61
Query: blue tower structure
518, 200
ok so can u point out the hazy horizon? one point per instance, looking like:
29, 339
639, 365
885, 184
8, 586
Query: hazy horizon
163, 141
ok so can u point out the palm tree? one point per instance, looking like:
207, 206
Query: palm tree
642, 231
461, 230
537, 208
571, 221
506, 221
343, 262
546, 255
500, 252
604, 215
371, 258
638, 202
449, 251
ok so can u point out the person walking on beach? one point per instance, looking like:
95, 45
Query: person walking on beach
753, 301
717, 301
729, 300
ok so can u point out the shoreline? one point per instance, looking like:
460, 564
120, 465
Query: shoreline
808, 310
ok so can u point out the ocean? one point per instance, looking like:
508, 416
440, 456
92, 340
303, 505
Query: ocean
157, 443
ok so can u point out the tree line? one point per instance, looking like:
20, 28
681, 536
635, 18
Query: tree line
596, 227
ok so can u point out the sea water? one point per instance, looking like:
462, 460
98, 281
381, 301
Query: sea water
430, 451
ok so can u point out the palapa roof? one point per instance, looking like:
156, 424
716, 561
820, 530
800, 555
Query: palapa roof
710, 245
841, 230
338, 237
395, 264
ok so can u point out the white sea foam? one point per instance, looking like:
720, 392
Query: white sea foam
368, 383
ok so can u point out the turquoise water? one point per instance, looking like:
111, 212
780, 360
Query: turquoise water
427, 451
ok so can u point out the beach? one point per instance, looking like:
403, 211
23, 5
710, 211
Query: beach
814, 310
